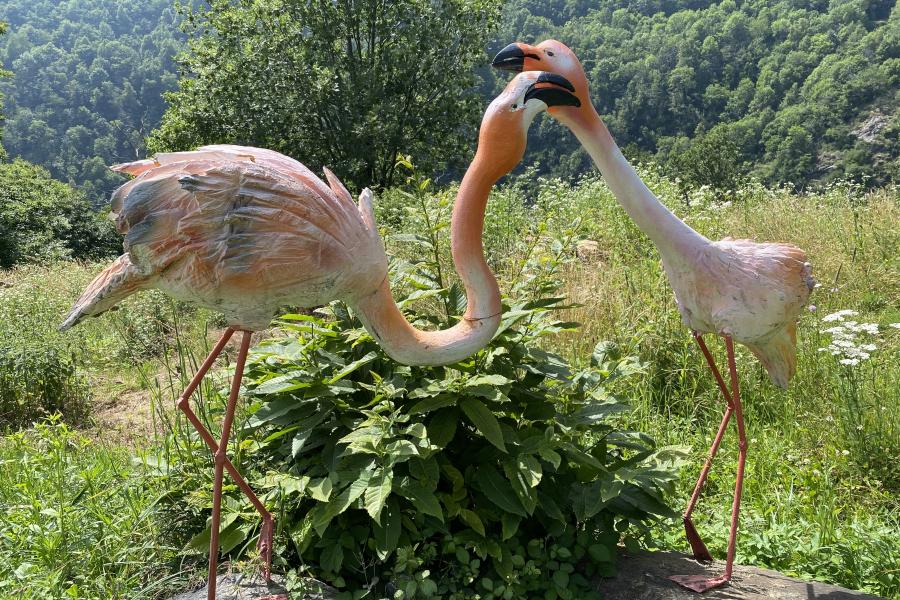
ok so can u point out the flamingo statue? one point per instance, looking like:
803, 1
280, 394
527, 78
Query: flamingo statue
742, 290
245, 231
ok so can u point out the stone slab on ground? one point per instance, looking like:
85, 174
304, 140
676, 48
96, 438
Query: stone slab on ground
644, 576
237, 586
641, 576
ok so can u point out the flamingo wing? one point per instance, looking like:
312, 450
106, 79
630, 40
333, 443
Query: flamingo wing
205, 221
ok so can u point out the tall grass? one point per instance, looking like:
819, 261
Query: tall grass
77, 518
821, 497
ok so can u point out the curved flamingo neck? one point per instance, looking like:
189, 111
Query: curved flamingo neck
668, 232
406, 344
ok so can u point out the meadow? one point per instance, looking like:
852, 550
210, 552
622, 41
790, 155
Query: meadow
86, 498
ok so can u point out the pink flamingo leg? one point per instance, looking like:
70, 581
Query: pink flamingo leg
267, 531
700, 583
697, 546
220, 459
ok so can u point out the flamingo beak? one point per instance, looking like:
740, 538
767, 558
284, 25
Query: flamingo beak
512, 58
555, 90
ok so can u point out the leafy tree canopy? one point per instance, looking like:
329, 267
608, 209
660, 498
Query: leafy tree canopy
346, 84
42, 218
88, 82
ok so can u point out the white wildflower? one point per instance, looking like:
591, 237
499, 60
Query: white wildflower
849, 361
894, 325
839, 315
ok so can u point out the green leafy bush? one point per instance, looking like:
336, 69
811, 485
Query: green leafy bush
37, 381
503, 476
42, 218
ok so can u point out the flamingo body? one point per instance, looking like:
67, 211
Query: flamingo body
753, 292
245, 231
241, 230
745, 291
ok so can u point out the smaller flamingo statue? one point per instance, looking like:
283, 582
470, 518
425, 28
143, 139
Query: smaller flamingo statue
742, 290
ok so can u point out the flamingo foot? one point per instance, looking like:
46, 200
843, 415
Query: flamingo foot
699, 548
699, 583
264, 545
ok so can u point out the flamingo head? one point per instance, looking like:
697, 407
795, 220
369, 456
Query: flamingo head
504, 128
549, 56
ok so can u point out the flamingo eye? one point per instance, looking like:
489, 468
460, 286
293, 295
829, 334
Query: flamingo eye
549, 53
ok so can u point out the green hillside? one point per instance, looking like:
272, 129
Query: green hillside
805, 90
787, 91
88, 78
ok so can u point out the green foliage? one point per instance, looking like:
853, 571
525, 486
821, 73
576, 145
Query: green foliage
807, 90
505, 475
3, 27
88, 83
75, 518
38, 381
346, 84
44, 219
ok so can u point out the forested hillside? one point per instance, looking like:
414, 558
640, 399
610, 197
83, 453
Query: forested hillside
797, 90
787, 91
87, 85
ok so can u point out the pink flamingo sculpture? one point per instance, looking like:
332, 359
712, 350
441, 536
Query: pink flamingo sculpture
246, 231
744, 291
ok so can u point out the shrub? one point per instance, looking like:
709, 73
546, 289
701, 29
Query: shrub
42, 218
37, 381
503, 476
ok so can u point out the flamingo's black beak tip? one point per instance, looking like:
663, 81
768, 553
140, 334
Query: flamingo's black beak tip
512, 58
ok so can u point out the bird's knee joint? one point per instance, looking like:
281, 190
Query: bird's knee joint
220, 457
742, 445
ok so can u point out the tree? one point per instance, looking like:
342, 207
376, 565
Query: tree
2, 74
42, 218
347, 84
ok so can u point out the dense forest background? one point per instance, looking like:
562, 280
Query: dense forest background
87, 85
789, 92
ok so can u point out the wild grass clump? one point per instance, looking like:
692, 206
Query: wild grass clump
36, 382
76, 518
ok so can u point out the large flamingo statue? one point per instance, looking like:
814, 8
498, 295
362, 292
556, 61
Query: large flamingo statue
246, 231
744, 291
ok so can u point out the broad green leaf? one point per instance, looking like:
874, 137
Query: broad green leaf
498, 490
551, 457
426, 470
471, 519
442, 427
326, 512
356, 364
423, 499
377, 492
549, 506
530, 469
509, 525
272, 410
320, 489
586, 500
387, 533
430, 404
526, 494
484, 420
493, 380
